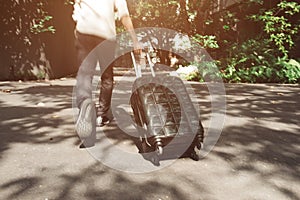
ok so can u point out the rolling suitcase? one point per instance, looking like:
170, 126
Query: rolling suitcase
166, 119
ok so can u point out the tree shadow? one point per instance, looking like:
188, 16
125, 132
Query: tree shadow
20, 186
269, 154
97, 182
264, 137
38, 112
279, 103
260, 138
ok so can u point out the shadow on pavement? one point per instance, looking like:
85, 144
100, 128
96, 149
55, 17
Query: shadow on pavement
263, 136
260, 139
94, 182
35, 115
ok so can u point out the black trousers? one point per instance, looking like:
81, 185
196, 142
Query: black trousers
90, 51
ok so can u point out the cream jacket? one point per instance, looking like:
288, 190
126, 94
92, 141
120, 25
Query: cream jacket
97, 17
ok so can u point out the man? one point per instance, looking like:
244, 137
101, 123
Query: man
95, 42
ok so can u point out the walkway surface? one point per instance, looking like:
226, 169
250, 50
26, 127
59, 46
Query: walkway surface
256, 157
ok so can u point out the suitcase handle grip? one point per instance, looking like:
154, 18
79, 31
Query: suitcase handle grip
137, 67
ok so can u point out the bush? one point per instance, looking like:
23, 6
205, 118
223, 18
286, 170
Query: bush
22, 50
265, 57
257, 61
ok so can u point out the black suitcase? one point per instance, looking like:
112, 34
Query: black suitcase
166, 119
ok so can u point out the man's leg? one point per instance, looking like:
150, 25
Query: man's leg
106, 88
87, 58
107, 58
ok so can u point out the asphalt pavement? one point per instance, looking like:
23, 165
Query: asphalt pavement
251, 148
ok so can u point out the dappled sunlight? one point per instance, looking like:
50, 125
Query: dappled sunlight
258, 149
35, 113
88, 183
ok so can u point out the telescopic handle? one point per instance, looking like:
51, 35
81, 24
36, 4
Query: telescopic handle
137, 67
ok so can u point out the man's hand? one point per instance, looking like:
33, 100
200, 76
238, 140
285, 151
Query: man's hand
137, 48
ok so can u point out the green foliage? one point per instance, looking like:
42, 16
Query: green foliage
290, 70
223, 26
251, 41
277, 25
209, 71
21, 27
248, 62
179, 15
194, 76
264, 54
255, 61
43, 20
152, 13
206, 41
40, 25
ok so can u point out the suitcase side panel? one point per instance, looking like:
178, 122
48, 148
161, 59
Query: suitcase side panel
165, 112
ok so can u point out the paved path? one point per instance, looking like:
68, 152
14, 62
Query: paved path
256, 157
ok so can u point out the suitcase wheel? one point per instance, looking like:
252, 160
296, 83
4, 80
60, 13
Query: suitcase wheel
195, 151
155, 160
199, 145
194, 156
145, 147
159, 150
